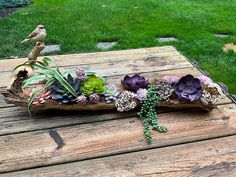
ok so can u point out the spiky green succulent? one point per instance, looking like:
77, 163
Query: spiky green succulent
61, 95
93, 84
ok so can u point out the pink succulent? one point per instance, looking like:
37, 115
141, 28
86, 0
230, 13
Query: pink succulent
94, 98
171, 79
42, 97
204, 79
81, 99
141, 94
80, 72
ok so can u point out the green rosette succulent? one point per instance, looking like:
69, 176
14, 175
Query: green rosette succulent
93, 84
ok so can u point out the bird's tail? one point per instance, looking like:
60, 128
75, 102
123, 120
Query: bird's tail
25, 40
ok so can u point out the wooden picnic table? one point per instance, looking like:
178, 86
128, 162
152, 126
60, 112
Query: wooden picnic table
108, 143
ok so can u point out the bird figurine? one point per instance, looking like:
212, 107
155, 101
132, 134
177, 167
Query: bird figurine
38, 34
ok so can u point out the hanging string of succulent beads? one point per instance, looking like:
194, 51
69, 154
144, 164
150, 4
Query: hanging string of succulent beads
148, 113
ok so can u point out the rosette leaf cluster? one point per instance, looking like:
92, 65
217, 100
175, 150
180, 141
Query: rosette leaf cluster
164, 90
188, 88
134, 82
211, 94
61, 95
141, 94
112, 93
93, 84
125, 102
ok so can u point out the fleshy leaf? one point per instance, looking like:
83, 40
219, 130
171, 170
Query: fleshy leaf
63, 82
35, 93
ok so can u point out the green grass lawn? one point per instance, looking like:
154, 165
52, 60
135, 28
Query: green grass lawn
77, 25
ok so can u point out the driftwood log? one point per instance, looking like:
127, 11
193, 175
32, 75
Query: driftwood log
21, 99
24, 71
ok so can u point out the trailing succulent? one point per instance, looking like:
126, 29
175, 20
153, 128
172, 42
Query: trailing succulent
148, 113
61, 95
93, 84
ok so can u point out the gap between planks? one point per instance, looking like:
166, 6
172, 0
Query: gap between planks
214, 157
97, 57
114, 68
34, 149
18, 121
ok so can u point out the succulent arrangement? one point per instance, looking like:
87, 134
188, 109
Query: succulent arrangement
83, 88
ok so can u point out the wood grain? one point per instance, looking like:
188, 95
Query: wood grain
16, 120
39, 148
115, 68
98, 57
215, 157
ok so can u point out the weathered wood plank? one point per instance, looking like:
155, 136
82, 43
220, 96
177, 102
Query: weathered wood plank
2, 102
15, 120
60, 145
98, 57
215, 157
113, 68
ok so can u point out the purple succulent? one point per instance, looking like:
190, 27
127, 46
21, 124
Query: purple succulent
188, 88
134, 82
171, 79
141, 94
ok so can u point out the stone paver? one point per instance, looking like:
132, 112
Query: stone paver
51, 49
106, 45
167, 39
221, 35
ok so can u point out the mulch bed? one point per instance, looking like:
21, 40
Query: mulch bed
6, 11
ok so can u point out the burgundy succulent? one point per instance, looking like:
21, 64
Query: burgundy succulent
134, 82
94, 98
188, 88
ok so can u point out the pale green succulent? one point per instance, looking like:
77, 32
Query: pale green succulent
93, 84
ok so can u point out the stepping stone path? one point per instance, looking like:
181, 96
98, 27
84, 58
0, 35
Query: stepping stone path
221, 35
167, 39
51, 49
106, 45
12, 57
